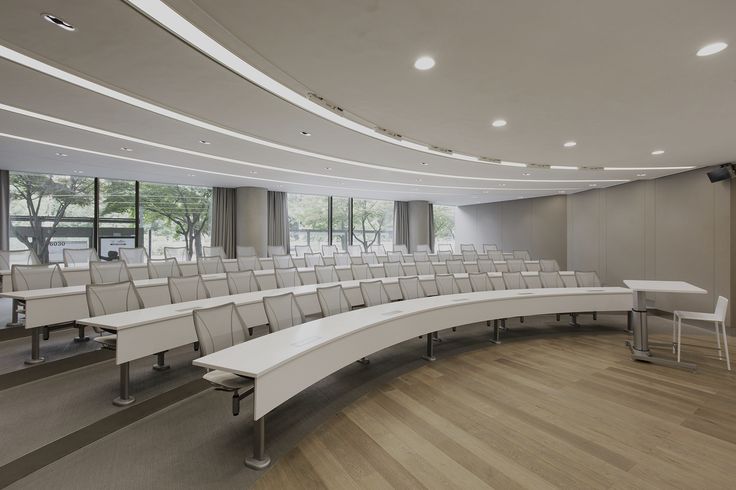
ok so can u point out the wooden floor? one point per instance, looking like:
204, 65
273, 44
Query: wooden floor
566, 412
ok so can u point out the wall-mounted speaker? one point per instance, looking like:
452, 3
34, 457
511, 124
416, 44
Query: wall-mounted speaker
724, 172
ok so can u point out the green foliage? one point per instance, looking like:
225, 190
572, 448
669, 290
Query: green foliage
369, 219
444, 222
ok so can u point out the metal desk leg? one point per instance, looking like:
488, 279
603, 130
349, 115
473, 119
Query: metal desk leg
161, 362
124, 398
259, 460
35, 347
81, 337
430, 349
496, 333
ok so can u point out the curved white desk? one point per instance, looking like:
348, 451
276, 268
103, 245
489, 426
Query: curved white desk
284, 363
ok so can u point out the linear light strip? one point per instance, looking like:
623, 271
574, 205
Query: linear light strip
688, 167
71, 124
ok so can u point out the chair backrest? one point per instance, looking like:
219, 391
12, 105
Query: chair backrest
374, 293
369, 258
486, 265
108, 272
487, 247
551, 279
325, 274
467, 247
249, 263
282, 311
587, 279
515, 265
246, 251
424, 268
470, 255
514, 280
446, 284
218, 327
181, 254
307, 277
300, 250
378, 249
423, 248
132, 256
342, 258
721, 308
276, 250
479, 281
106, 299
401, 248
455, 266
445, 247
40, 276
74, 257
361, 271
393, 269
287, 278
522, 254
411, 288
444, 255
548, 265
188, 288
242, 282
282, 261
329, 250
395, 257
496, 255
9, 258
158, 268
355, 250
310, 259
333, 300
210, 265
214, 252
421, 256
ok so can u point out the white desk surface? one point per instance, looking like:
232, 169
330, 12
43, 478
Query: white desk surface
647, 286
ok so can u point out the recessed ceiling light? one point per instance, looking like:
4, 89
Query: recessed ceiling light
305, 133
592, 185
563, 167
424, 63
657, 152
560, 192
328, 168
58, 22
61, 154
502, 185
424, 163
712, 48
499, 123
419, 180
78, 171
205, 142
641, 175
253, 172
526, 174
570, 144
125, 148
191, 175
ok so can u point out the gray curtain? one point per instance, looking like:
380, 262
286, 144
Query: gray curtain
278, 219
224, 219
4, 210
431, 227
401, 223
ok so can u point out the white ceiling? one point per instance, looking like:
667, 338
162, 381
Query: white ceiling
620, 78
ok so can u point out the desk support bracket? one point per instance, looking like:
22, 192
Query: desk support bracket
429, 356
124, 398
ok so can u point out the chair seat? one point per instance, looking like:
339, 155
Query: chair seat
228, 380
110, 341
696, 315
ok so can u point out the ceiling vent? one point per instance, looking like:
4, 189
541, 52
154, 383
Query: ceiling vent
439, 149
490, 160
389, 133
325, 103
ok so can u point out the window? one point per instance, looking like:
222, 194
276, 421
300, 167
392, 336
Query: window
444, 226
308, 221
50, 212
175, 216
340, 222
117, 217
373, 223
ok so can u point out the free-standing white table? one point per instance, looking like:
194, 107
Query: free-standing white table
640, 346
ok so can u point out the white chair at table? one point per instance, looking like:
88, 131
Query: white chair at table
548, 265
401, 248
486, 265
488, 247
282, 311
310, 259
423, 247
455, 266
282, 262
210, 265
445, 247
514, 280
470, 255
326, 274
190, 288
395, 257
496, 255
288, 278
444, 255
242, 282
588, 279
515, 265
245, 251
133, 256
79, 257
106, 299
553, 279
30, 277
214, 252
378, 250
108, 272
9, 258
181, 254
162, 268
306, 277
333, 301
369, 258
300, 250
218, 328
393, 269
374, 293
249, 263
467, 247
446, 284
480, 281
276, 250
342, 258
329, 250
424, 268
522, 254
411, 288
421, 256
361, 271
718, 318
355, 250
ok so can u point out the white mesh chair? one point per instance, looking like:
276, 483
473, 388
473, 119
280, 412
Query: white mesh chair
421, 256
333, 300
467, 247
361, 271
355, 250
479, 281
393, 269
300, 250
496, 255
329, 250
310, 259
516, 265
411, 288
106, 299
445, 247
423, 248
276, 250
249, 263
282, 262
446, 284
246, 251
325, 274
424, 268
455, 266
444, 255
108, 272
378, 250
522, 254
210, 265
218, 328
514, 280
486, 265
41, 276
214, 252
9, 258
470, 255
133, 256
551, 279
160, 268
369, 258
374, 293
190, 288
718, 318
242, 282
287, 278
307, 277
343, 258
401, 248
548, 265
487, 247
395, 257
282, 312
181, 254
79, 257
587, 279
